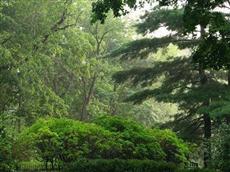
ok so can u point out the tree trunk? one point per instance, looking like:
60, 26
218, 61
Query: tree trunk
206, 117
113, 106
84, 113
207, 123
229, 77
207, 136
227, 118
88, 92
19, 124
98, 48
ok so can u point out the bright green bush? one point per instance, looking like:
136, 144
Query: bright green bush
137, 143
118, 124
119, 166
175, 150
64, 140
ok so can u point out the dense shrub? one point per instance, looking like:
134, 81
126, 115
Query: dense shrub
6, 151
119, 166
175, 149
64, 140
138, 143
221, 148
118, 124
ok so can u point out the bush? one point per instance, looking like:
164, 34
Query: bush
136, 141
64, 140
175, 150
6, 152
119, 166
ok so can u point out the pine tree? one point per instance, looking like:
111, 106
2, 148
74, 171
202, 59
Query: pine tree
191, 81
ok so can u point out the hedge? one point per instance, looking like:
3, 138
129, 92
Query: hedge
196, 170
118, 165
105, 165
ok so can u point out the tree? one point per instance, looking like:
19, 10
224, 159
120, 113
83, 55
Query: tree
51, 61
195, 13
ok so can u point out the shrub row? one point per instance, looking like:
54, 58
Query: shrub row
118, 165
196, 170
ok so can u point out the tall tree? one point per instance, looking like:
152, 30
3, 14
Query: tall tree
195, 14
51, 62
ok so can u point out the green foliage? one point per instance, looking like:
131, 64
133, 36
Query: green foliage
171, 19
142, 48
67, 140
101, 8
138, 143
189, 81
50, 64
31, 165
7, 161
117, 165
176, 150
213, 53
118, 124
220, 148
173, 147
195, 26
197, 170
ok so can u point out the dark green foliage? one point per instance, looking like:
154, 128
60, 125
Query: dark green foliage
196, 170
195, 13
6, 151
143, 47
120, 166
213, 53
181, 85
118, 124
196, 91
174, 70
171, 19
221, 148
102, 7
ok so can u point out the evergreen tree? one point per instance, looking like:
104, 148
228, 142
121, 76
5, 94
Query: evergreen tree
190, 81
